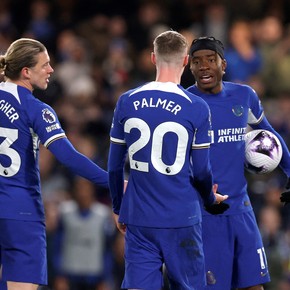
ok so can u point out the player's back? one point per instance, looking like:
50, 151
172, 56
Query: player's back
160, 123
20, 111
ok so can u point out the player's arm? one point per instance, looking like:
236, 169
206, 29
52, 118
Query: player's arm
201, 167
116, 161
285, 160
117, 185
203, 180
257, 120
43, 117
78, 163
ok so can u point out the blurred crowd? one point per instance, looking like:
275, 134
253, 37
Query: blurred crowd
101, 48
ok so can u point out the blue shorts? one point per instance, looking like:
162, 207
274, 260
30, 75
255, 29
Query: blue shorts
234, 252
180, 249
23, 251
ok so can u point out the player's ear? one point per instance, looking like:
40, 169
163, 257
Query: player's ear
25, 72
185, 61
224, 65
153, 58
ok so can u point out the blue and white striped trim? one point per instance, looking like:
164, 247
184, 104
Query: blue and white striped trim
53, 138
252, 120
117, 141
201, 146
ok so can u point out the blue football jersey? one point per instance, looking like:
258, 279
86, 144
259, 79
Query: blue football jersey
24, 122
159, 124
232, 110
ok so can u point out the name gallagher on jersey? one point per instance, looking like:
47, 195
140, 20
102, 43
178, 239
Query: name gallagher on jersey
8, 110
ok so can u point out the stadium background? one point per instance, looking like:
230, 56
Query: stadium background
100, 48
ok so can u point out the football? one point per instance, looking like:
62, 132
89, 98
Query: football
263, 151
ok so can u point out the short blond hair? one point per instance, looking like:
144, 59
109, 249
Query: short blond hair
170, 44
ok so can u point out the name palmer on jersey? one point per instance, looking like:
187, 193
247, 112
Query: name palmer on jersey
231, 134
8, 110
157, 103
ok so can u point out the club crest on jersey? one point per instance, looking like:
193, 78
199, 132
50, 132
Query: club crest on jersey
48, 116
238, 110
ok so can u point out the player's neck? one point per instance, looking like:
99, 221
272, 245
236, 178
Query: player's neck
168, 76
21, 83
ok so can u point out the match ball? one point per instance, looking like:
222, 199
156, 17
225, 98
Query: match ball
263, 151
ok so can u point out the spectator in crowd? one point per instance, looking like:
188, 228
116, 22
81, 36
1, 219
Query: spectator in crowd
269, 33
244, 60
274, 243
85, 228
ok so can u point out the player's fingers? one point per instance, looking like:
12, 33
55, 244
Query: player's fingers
224, 197
220, 198
214, 188
122, 228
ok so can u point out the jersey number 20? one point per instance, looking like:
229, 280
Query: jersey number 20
157, 145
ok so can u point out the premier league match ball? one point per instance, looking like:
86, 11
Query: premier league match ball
263, 151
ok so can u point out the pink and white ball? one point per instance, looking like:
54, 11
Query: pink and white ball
263, 151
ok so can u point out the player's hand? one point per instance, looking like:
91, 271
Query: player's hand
125, 185
121, 227
285, 196
219, 206
219, 197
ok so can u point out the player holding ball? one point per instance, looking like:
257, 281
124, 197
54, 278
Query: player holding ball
241, 264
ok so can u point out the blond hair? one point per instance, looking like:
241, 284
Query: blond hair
21, 53
170, 45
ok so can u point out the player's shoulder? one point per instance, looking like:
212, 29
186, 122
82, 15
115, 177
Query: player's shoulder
39, 110
196, 93
196, 99
19, 93
26, 98
235, 88
22, 98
